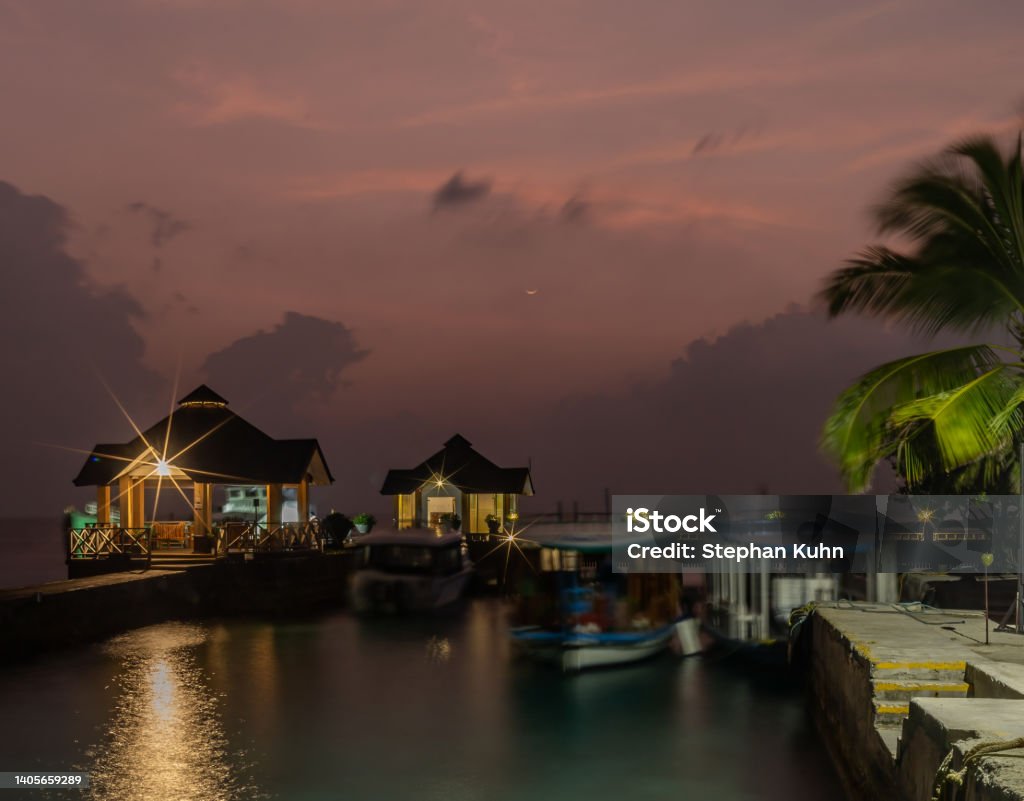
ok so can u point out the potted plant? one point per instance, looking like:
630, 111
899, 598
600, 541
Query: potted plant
364, 522
335, 529
493, 523
202, 543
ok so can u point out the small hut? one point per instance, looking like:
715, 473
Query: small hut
456, 480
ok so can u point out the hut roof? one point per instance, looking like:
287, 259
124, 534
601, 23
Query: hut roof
208, 442
462, 467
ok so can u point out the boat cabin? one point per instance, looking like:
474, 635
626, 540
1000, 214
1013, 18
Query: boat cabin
571, 583
411, 553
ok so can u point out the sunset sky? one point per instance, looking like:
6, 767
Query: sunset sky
573, 231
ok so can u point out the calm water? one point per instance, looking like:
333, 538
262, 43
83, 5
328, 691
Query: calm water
337, 707
33, 550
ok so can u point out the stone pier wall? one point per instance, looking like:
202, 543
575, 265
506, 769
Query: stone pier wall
83, 610
842, 705
894, 691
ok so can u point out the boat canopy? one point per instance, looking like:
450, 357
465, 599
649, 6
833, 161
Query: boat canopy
585, 537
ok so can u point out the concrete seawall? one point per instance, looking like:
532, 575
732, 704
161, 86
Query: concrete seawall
897, 692
66, 613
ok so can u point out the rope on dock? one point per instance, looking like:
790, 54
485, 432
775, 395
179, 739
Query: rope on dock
946, 774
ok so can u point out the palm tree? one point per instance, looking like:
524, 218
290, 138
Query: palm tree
948, 419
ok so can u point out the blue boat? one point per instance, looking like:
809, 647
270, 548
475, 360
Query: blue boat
575, 612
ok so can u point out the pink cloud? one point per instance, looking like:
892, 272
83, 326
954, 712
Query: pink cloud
214, 100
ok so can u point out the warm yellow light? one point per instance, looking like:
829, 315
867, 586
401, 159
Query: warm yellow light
925, 515
437, 481
162, 468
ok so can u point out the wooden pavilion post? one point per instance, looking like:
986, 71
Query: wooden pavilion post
139, 503
303, 500
103, 505
126, 502
274, 496
202, 514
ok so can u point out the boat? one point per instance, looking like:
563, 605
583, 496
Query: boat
573, 651
408, 571
575, 612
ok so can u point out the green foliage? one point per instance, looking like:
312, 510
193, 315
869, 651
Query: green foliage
947, 418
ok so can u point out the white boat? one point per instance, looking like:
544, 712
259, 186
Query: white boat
575, 651
575, 612
409, 571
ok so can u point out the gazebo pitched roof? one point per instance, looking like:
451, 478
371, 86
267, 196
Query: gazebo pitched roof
464, 468
203, 395
209, 442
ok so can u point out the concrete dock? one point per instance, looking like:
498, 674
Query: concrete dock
899, 691
66, 613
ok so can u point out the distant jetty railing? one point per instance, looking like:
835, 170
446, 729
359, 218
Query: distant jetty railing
268, 537
101, 542
140, 544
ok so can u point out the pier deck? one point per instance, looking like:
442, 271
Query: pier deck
74, 585
895, 687
81, 610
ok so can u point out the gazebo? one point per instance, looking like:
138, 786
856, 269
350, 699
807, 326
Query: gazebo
201, 444
456, 480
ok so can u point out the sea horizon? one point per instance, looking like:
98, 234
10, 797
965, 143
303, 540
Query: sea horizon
34, 549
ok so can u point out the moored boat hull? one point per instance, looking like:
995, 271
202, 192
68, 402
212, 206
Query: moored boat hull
374, 591
574, 652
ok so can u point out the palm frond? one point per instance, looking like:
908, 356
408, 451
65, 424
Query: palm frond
946, 418
929, 295
972, 196
960, 420
1008, 422
1001, 186
858, 432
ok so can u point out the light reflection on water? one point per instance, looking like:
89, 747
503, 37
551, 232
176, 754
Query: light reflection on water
165, 739
434, 708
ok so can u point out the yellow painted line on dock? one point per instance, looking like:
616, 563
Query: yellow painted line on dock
862, 649
933, 686
920, 665
892, 709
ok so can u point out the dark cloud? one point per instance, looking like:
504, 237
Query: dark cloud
716, 140
59, 334
734, 414
740, 413
707, 143
574, 210
164, 226
300, 359
459, 191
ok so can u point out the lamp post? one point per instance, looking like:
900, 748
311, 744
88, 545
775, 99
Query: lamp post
1020, 547
986, 560
255, 519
